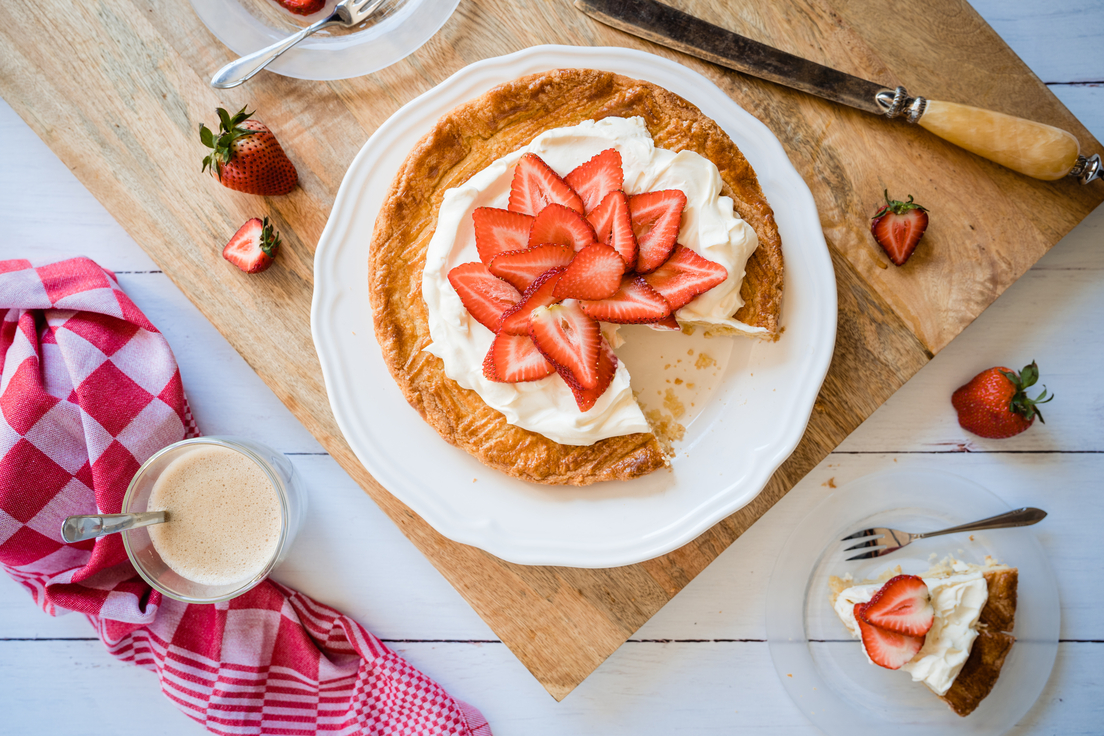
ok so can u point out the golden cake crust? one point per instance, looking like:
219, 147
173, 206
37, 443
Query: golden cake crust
463, 143
982, 668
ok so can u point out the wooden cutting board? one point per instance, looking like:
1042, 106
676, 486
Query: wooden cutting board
118, 88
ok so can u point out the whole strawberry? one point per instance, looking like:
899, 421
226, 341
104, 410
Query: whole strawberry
247, 157
898, 227
994, 403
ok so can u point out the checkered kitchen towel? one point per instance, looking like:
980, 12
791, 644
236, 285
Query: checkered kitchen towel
88, 390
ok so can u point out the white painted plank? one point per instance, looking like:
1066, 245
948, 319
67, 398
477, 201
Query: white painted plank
1086, 101
701, 688
1059, 39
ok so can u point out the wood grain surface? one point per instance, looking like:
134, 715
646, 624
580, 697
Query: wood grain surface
118, 88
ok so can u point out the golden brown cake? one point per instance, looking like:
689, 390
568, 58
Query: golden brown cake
464, 142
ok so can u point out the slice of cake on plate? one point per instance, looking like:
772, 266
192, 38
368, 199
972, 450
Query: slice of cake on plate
949, 628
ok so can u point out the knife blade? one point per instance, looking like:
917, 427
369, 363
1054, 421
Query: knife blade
669, 27
1038, 150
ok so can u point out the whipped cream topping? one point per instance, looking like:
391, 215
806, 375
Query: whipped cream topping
957, 599
709, 227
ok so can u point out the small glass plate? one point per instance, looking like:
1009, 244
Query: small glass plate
823, 669
400, 28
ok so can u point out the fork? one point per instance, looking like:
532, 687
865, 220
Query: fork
896, 539
346, 13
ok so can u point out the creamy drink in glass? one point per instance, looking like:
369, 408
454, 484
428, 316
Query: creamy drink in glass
233, 508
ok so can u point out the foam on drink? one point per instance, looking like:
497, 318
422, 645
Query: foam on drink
224, 516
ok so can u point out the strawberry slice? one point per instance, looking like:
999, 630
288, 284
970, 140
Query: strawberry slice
902, 605
514, 359
585, 398
539, 294
594, 274
535, 186
499, 231
570, 340
484, 296
522, 267
898, 227
656, 218
612, 224
685, 275
561, 225
667, 323
253, 246
634, 303
596, 178
886, 648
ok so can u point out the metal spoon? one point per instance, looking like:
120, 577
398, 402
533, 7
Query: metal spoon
80, 528
346, 13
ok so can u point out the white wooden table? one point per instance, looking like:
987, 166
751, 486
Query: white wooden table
702, 664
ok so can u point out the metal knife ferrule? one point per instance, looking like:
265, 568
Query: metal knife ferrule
898, 102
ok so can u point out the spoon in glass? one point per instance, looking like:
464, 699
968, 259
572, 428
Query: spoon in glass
80, 528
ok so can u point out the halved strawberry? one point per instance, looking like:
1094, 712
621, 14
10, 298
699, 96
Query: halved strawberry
898, 227
570, 340
522, 267
685, 275
535, 186
499, 231
485, 296
562, 225
902, 605
634, 303
514, 359
539, 294
656, 218
596, 178
886, 648
585, 398
594, 274
253, 246
612, 224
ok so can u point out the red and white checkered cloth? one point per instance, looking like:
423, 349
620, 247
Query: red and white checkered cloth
88, 390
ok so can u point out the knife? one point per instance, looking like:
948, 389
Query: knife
1038, 150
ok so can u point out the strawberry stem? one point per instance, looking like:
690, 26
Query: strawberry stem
230, 130
1020, 403
897, 207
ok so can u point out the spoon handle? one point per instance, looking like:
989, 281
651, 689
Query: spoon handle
80, 528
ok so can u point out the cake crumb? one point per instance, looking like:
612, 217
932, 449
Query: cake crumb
689, 385
690, 351
971, 537
704, 361
687, 329
672, 404
666, 430
667, 367
831, 482
678, 381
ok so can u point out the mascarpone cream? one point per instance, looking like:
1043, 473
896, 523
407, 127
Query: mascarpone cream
957, 599
709, 227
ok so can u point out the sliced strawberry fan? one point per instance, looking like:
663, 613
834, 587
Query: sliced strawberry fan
568, 253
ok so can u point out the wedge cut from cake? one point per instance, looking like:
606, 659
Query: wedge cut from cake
960, 655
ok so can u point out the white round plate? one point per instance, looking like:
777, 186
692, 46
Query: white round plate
823, 668
246, 26
745, 414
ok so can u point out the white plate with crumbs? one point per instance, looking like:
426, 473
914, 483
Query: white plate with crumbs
743, 404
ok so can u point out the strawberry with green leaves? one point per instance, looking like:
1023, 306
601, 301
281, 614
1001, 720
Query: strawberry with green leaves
253, 246
246, 157
995, 405
898, 227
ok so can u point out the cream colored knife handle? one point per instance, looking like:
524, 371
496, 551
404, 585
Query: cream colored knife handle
1031, 148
